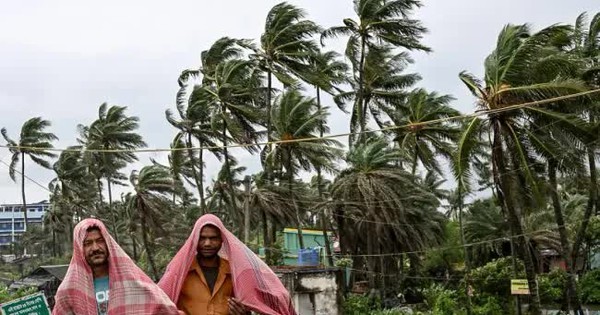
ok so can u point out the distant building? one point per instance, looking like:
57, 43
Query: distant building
12, 220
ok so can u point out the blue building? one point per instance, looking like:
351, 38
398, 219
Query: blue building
12, 220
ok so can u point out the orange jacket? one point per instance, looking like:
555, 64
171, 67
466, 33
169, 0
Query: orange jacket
195, 297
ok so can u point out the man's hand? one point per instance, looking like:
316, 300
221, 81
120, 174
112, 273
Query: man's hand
237, 308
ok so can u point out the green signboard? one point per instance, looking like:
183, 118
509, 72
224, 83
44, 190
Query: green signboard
34, 304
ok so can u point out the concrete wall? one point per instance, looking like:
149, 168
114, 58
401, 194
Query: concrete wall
314, 291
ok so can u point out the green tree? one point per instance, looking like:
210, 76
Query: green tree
509, 80
34, 142
378, 22
151, 186
423, 140
114, 134
286, 46
296, 117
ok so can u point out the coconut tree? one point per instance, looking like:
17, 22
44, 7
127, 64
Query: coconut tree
286, 46
152, 186
114, 134
381, 208
377, 22
296, 117
421, 140
509, 80
230, 100
381, 88
34, 142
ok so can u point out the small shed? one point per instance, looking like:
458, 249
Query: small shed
44, 278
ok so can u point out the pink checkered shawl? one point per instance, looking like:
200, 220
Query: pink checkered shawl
131, 290
254, 283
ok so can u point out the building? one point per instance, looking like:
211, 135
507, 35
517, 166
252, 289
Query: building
314, 291
12, 220
44, 278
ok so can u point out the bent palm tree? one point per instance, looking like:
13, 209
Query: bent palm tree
33, 142
427, 142
286, 46
378, 22
151, 185
296, 117
509, 80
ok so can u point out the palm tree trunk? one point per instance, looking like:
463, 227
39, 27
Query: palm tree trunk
197, 180
415, 157
234, 208
201, 182
268, 171
324, 218
572, 300
505, 183
25, 219
465, 251
111, 210
291, 192
592, 202
146, 243
360, 94
266, 237
134, 245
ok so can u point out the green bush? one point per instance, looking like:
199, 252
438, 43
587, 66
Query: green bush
493, 279
6, 295
357, 305
552, 286
442, 301
488, 306
589, 287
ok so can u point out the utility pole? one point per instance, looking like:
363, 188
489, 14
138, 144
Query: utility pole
247, 181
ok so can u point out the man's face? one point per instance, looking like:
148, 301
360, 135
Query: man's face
95, 249
210, 242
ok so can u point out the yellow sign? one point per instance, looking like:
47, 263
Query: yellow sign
519, 286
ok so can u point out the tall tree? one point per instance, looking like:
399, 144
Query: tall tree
114, 134
34, 142
151, 185
378, 22
295, 118
422, 140
509, 80
230, 99
286, 46
381, 88
193, 123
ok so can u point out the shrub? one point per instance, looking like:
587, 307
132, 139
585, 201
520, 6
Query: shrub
589, 287
552, 286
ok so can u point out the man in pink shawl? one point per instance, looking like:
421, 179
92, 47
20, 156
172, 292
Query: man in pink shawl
255, 286
103, 280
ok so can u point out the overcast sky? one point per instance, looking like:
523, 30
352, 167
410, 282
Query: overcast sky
61, 59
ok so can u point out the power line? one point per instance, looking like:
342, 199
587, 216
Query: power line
246, 145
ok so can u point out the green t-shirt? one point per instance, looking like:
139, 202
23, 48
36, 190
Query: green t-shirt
101, 289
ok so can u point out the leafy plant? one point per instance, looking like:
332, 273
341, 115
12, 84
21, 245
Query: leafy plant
589, 287
552, 286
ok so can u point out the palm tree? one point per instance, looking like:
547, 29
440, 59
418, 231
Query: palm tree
378, 22
427, 142
151, 185
230, 100
391, 211
34, 142
194, 122
225, 194
509, 79
294, 118
73, 183
286, 46
113, 130
380, 89
585, 46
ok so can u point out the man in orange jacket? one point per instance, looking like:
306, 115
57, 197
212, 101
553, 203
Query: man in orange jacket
208, 288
